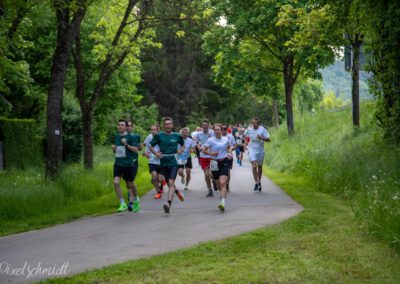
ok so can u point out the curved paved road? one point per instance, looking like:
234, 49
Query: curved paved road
95, 242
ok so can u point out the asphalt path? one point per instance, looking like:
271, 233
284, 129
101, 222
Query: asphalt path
95, 242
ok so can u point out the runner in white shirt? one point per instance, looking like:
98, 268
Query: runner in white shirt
257, 135
154, 163
232, 143
219, 149
185, 159
204, 159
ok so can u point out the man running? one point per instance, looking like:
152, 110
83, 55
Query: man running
240, 141
219, 148
232, 144
154, 162
125, 148
204, 159
185, 159
257, 135
168, 142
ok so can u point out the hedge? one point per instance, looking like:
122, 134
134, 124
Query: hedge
22, 149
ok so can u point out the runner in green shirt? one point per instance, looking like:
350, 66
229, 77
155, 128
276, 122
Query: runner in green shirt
168, 142
125, 148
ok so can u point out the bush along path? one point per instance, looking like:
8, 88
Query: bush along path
100, 241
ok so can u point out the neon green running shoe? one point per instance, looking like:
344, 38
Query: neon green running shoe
122, 207
136, 205
221, 206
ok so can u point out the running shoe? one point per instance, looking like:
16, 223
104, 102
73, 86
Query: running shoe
136, 205
122, 207
157, 196
259, 186
130, 206
166, 208
221, 206
256, 187
180, 195
210, 193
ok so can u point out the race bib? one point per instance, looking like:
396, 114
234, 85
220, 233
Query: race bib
181, 161
120, 152
214, 166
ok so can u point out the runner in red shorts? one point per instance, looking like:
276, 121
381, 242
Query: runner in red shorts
201, 139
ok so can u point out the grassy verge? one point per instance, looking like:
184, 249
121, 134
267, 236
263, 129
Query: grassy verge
354, 164
323, 244
28, 202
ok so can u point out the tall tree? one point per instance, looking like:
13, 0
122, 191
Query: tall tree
69, 14
384, 42
125, 32
295, 33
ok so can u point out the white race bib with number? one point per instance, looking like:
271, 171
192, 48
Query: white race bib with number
181, 161
120, 152
214, 165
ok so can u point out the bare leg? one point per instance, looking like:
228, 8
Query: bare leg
222, 186
118, 188
154, 181
132, 190
171, 189
259, 172
207, 175
188, 175
255, 173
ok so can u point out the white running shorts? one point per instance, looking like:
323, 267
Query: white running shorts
256, 156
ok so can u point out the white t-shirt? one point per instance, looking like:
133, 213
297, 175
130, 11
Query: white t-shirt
231, 139
189, 143
218, 145
202, 138
193, 134
153, 159
239, 138
255, 143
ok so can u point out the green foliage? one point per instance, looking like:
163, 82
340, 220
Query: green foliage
177, 76
22, 148
384, 44
309, 94
331, 102
353, 165
72, 130
287, 37
29, 202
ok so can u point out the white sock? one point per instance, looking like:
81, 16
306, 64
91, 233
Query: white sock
223, 200
121, 200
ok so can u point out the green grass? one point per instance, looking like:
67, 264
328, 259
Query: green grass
357, 165
28, 202
323, 244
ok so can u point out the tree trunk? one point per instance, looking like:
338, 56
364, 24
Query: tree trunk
355, 76
54, 99
275, 112
87, 119
289, 85
66, 32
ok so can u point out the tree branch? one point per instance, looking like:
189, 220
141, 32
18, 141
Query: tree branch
263, 43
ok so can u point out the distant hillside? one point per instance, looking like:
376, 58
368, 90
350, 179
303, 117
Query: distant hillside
336, 79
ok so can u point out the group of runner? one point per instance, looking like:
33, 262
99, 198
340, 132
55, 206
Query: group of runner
170, 154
